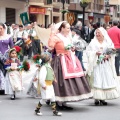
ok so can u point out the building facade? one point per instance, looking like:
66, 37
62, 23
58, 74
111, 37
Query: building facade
10, 10
94, 12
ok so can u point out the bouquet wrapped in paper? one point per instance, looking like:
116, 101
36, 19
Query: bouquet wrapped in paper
109, 51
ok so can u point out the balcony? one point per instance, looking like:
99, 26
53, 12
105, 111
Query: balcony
36, 2
59, 4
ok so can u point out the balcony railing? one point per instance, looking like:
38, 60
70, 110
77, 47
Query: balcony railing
37, 1
66, 1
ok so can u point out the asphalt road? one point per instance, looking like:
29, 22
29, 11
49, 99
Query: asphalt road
23, 107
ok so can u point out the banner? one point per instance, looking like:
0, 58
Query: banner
24, 18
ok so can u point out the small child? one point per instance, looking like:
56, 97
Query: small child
13, 77
47, 77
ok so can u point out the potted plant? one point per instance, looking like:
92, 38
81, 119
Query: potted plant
84, 3
64, 11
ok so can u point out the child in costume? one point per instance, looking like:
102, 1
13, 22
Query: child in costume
47, 77
13, 82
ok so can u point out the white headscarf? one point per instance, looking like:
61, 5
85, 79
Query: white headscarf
106, 37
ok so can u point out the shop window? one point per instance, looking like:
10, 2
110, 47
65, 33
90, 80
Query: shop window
10, 15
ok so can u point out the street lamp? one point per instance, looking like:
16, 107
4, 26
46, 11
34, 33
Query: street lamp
84, 4
63, 7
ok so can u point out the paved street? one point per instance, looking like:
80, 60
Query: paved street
23, 107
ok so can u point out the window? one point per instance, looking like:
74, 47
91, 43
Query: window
49, 1
10, 15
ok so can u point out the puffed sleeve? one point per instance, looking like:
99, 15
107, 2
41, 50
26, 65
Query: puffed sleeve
52, 41
11, 42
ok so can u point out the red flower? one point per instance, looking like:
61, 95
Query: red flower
26, 66
36, 58
18, 49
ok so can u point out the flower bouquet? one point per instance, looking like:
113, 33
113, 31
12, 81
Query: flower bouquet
109, 51
25, 66
68, 47
36, 58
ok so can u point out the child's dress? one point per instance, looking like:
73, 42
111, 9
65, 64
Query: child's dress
13, 78
34, 88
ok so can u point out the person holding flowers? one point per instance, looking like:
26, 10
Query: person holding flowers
13, 81
71, 82
47, 77
101, 70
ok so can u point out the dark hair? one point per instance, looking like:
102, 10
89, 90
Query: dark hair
21, 26
63, 25
13, 49
115, 22
98, 24
1, 24
49, 25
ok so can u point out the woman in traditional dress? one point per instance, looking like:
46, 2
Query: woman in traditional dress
101, 70
71, 82
2, 73
5, 44
5, 40
13, 81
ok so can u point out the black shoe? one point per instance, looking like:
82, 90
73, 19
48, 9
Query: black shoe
12, 98
56, 113
102, 102
48, 102
37, 112
67, 108
97, 102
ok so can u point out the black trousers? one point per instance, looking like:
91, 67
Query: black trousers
117, 62
36, 47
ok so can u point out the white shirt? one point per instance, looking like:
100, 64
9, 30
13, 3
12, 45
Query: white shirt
23, 34
33, 32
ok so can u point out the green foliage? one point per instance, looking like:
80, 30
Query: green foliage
64, 11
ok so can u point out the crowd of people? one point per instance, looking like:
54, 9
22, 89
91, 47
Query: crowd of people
61, 76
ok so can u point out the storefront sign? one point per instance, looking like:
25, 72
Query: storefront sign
37, 10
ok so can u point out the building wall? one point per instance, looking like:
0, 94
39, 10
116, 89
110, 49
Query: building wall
18, 6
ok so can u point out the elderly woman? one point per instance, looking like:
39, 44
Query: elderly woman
101, 68
71, 82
